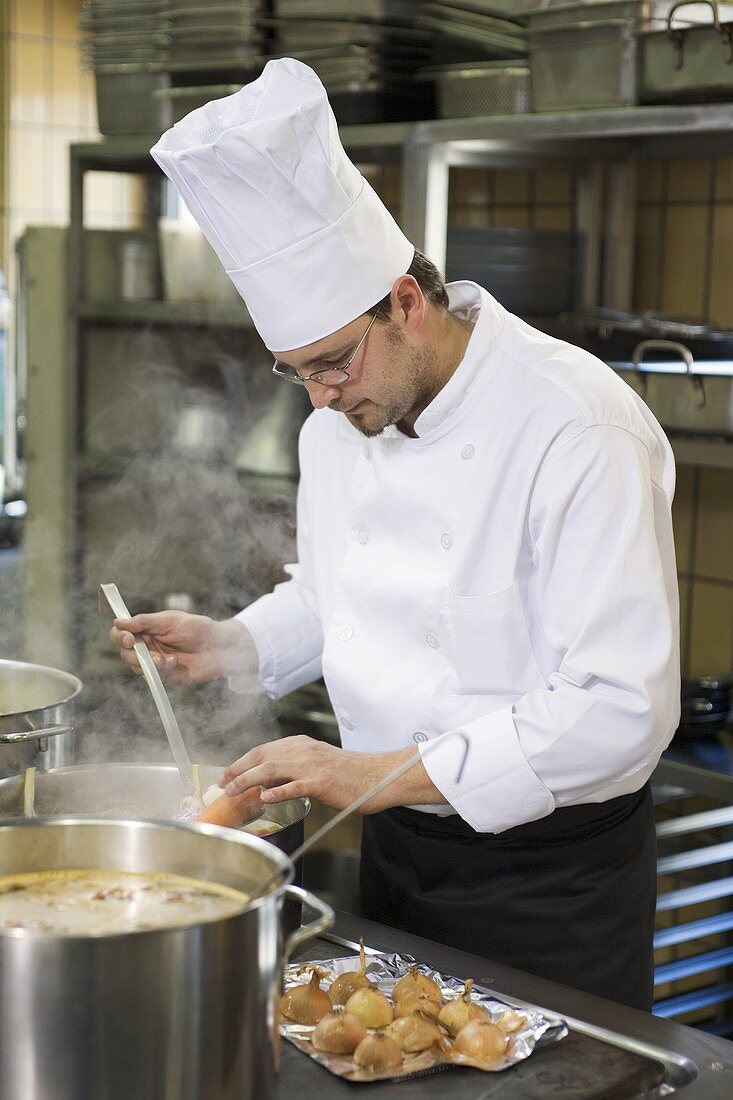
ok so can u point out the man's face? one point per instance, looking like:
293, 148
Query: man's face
389, 378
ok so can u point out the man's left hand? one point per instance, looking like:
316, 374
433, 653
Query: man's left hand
298, 767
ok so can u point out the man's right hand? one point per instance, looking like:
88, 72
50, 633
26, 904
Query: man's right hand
187, 649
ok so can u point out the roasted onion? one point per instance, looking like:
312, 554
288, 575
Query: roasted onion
414, 1033
456, 1013
482, 1040
417, 1003
378, 1052
371, 1006
415, 982
306, 1004
338, 1032
346, 984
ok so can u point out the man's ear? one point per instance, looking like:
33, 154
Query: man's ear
407, 302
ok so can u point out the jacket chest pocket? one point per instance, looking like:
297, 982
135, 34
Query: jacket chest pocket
490, 644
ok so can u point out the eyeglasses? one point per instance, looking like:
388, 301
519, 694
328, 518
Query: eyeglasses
328, 376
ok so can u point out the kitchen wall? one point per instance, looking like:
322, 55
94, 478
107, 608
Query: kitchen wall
47, 102
684, 265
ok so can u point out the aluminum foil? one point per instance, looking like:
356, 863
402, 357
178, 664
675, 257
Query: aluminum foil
526, 1027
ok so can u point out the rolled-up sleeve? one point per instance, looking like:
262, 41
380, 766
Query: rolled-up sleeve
602, 556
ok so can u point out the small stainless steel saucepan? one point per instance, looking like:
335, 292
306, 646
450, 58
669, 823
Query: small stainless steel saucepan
36, 704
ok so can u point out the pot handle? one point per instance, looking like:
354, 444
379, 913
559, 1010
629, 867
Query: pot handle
677, 35
34, 735
637, 362
308, 931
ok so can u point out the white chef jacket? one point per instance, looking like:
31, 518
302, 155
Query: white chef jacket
509, 573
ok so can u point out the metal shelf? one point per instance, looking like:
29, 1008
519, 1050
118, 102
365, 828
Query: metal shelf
199, 314
618, 122
132, 154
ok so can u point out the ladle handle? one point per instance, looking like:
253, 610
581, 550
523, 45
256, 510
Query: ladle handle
110, 594
307, 931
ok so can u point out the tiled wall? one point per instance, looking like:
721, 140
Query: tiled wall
684, 264
46, 103
511, 197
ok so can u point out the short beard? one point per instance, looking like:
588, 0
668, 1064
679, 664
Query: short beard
418, 373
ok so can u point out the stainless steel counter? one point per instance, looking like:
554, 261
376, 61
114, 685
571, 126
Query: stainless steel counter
688, 1053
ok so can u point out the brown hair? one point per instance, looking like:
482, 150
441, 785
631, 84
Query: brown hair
427, 277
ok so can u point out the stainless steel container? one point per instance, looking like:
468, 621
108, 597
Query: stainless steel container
482, 88
130, 791
172, 1014
126, 100
36, 704
696, 399
688, 64
586, 56
142, 790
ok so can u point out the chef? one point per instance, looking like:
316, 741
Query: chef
484, 544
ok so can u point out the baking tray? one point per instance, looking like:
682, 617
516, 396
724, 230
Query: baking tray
527, 1028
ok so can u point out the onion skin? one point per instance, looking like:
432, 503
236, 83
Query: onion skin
378, 1052
482, 1040
306, 1004
415, 982
371, 1006
338, 1033
417, 1003
456, 1014
347, 984
414, 1033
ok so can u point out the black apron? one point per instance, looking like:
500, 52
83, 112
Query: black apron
570, 897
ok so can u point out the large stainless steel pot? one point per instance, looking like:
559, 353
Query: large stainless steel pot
133, 791
143, 790
180, 1014
35, 711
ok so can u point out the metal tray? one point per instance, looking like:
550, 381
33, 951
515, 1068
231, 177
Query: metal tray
528, 1028
484, 88
386, 10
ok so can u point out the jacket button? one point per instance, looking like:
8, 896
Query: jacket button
468, 451
344, 632
446, 542
363, 537
432, 641
419, 737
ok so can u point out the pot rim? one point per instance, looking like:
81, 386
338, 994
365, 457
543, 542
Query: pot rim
71, 681
65, 769
232, 836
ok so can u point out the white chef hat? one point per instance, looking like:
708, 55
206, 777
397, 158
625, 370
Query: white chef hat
301, 234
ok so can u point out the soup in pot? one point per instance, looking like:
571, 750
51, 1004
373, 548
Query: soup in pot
103, 903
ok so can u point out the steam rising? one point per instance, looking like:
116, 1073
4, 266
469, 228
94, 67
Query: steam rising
164, 512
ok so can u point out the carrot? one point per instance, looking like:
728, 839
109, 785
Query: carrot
234, 811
